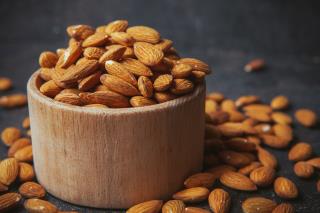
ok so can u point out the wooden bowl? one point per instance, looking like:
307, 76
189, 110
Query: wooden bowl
114, 158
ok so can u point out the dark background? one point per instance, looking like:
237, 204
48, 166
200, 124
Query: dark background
226, 34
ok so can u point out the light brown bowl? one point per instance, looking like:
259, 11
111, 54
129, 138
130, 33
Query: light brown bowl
114, 158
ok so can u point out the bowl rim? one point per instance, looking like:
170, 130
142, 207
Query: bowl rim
35, 93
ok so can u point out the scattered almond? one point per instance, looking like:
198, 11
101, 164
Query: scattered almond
9, 135
196, 210
26, 172
299, 152
24, 154
9, 201
32, 190
246, 170
284, 208
281, 118
315, 162
219, 201
14, 100
258, 205
303, 169
263, 176
285, 188
280, 102
306, 117
200, 180
192, 195
9, 169
173, 206
17, 145
237, 181
39, 206
254, 65
245, 100
5, 83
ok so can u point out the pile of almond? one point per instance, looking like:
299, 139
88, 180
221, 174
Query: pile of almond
118, 66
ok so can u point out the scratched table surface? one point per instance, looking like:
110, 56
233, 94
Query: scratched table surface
226, 34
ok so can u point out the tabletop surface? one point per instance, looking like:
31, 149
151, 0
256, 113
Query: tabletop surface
226, 34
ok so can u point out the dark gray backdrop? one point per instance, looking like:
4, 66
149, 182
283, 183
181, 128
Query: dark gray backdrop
225, 33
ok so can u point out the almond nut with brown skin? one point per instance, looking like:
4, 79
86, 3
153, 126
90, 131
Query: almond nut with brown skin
181, 86
69, 98
306, 117
195, 210
9, 201
9, 135
245, 100
237, 181
196, 64
118, 85
95, 40
164, 44
173, 206
39, 206
26, 172
80, 32
93, 52
280, 102
114, 53
274, 141
218, 117
283, 131
136, 67
24, 154
14, 100
5, 84
116, 69
211, 106
140, 101
48, 59
163, 82
121, 38
262, 108
236, 116
145, 86
259, 116
32, 190
69, 56
263, 176
116, 26
89, 82
181, 70
233, 158
192, 195
108, 98
246, 170
303, 169
26, 123
219, 201
147, 53
240, 145
200, 180
281, 118
148, 206
50, 89
285, 188
255, 65
228, 105
258, 205
315, 162
264, 128
217, 171
266, 158
215, 96
284, 208
162, 97
299, 152
144, 33
9, 169
17, 145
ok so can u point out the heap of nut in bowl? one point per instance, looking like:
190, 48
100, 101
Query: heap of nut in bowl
118, 66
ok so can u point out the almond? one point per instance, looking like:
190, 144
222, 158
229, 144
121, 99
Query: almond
147, 53
240, 144
9, 200
299, 152
145, 86
228, 105
69, 98
216, 96
95, 40
9, 135
69, 56
250, 122
89, 82
306, 117
181, 86
219, 201
116, 84
285, 188
218, 117
162, 97
163, 82
192, 195
264, 128
258, 205
9, 170
24, 154
195, 210
116, 26
217, 171
173, 206
237, 181
116, 69
50, 89
108, 98
48, 59
181, 70
233, 158
164, 44
259, 116
148, 206
279, 102
274, 141
14, 100
114, 53
136, 67
80, 32
32, 190
200, 180
39, 206
236, 116
140, 101
198, 76
263, 176
230, 129
211, 106
315, 162
266, 158
17, 145
196, 64
26, 123
121, 38
281, 118
5, 84
79, 71
72, 91
144, 33
26, 172
249, 168
284, 208
93, 53
262, 108
245, 100
254, 65
128, 53
283, 131
303, 169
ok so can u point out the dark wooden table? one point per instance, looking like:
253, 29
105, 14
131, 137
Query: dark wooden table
226, 34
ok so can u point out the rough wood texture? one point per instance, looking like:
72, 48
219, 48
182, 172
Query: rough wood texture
114, 158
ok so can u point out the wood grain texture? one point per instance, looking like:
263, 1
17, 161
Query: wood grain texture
114, 158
